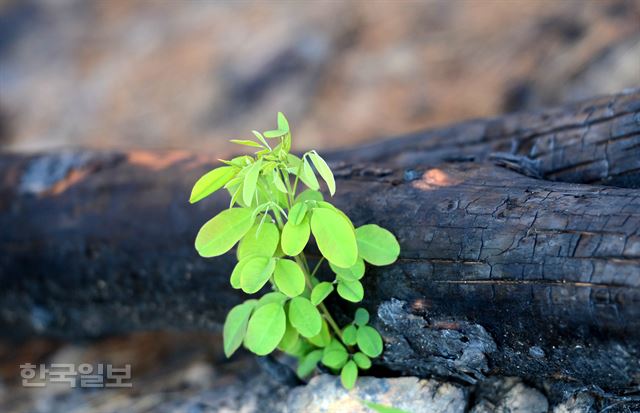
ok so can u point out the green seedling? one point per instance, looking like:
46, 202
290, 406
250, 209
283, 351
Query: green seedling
272, 219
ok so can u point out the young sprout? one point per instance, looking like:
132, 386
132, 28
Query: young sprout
272, 219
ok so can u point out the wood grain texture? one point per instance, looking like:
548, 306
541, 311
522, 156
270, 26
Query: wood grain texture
500, 272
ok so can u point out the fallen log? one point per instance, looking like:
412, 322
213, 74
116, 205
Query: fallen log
504, 270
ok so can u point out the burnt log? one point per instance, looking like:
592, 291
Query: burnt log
520, 242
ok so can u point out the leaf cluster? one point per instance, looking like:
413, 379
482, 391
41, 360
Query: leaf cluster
272, 220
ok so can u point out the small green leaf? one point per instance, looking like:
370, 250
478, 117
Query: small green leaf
353, 273
211, 182
381, 408
324, 171
222, 232
323, 338
369, 341
305, 317
277, 182
283, 123
335, 237
377, 245
265, 329
335, 355
349, 335
295, 237
351, 290
235, 274
307, 175
320, 292
289, 277
260, 137
268, 166
362, 317
272, 297
290, 339
362, 361
239, 161
349, 375
293, 163
250, 182
246, 142
275, 133
259, 241
308, 363
235, 326
309, 195
255, 273
297, 213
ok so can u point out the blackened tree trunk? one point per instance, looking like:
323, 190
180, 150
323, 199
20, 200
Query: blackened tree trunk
520, 244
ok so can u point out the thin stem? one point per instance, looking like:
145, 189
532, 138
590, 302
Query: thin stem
317, 267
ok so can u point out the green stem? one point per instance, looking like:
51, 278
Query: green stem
315, 269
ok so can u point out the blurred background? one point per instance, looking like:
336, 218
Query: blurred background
118, 74
192, 74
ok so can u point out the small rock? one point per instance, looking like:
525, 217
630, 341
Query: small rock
509, 395
577, 403
523, 399
325, 394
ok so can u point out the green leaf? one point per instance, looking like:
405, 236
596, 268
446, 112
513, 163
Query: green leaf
349, 375
260, 137
307, 176
320, 292
351, 290
362, 361
349, 335
377, 245
335, 237
272, 297
275, 133
293, 163
266, 328
305, 317
246, 142
268, 166
255, 273
324, 171
278, 183
235, 326
283, 123
290, 339
335, 355
308, 363
362, 317
289, 277
353, 273
211, 182
369, 341
309, 195
250, 182
295, 237
323, 338
239, 161
381, 408
259, 241
297, 213
301, 348
222, 232
235, 274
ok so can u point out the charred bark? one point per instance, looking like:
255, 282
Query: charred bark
501, 272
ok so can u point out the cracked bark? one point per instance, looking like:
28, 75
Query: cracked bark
501, 272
